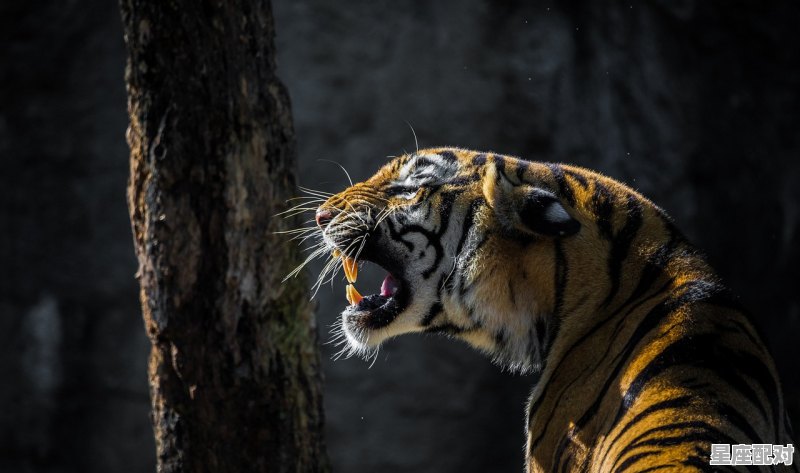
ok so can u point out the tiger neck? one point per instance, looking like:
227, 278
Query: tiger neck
647, 277
600, 338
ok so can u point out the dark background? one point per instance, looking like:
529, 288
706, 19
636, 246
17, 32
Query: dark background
695, 104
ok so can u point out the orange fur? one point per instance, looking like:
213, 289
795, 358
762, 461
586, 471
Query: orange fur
643, 335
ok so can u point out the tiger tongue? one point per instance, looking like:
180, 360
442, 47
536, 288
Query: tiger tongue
389, 286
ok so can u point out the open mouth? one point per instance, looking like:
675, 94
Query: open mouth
378, 310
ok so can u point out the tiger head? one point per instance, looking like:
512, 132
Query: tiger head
470, 243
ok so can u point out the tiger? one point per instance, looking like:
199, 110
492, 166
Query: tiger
644, 359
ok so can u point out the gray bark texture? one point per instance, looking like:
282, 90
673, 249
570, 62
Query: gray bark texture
234, 369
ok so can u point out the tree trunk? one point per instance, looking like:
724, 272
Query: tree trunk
234, 369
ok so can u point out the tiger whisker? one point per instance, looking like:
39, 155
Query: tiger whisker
361, 248
295, 230
343, 169
300, 267
385, 215
314, 192
354, 212
416, 143
310, 205
374, 356
293, 213
304, 238
333, 263
307, 198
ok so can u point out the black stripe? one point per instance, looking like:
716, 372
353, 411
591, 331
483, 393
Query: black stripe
501, 173
701, 464
712, 433
446, 203
445, 209
732, 415
603, 208
621, 244
448, 156
708, 433
435, 310
501, 338
479, 160
394, 190
578, 177
433, 241
552, 330
423, 160
447, 329
396, 236
428, 191
466, 225
467, 229
564, 189
522, 166
656, 468
691, 292
633, 459
564, 460
689, 438
463, 181
693, 437
561, 274
535, 405
654, 267
677, 440
675, 403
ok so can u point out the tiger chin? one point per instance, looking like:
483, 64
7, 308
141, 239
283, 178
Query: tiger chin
645, 359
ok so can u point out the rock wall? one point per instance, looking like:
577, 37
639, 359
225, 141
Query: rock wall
73, 351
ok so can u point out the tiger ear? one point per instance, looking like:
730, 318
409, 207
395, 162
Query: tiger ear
525, 208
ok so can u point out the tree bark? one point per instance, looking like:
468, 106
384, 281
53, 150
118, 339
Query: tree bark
234, 370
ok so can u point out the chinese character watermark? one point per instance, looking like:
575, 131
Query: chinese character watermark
755, 454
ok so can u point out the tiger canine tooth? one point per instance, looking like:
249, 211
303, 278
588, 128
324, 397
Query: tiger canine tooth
353, 297
350, 267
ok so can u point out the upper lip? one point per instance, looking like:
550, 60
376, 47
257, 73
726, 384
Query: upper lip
373, 253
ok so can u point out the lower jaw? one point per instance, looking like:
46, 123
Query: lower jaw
358, 339
364, 328
375, 312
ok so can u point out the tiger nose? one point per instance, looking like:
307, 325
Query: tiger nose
323, 217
